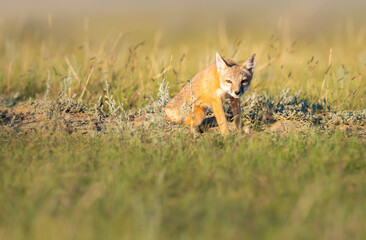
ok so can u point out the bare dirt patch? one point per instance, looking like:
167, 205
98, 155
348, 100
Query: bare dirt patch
34, 117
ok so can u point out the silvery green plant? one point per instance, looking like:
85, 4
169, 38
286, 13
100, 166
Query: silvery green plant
257, 108
110, 101
67, 84
48, 85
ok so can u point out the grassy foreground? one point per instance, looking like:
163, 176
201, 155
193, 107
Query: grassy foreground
293, 186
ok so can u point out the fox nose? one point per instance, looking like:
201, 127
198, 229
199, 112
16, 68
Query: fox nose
237, 92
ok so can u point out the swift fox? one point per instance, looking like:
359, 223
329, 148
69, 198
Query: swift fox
222, 80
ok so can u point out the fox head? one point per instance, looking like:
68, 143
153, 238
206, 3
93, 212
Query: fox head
235, 79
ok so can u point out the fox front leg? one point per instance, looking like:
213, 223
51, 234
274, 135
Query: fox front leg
220, 116
235, 106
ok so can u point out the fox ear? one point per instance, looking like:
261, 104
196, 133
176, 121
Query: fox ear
220, 62
250, 64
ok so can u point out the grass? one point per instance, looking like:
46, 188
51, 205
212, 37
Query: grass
323, 65
107, 187
74, 165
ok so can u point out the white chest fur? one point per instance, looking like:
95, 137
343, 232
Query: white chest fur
220, 93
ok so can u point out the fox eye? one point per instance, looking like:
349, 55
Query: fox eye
244, 81
228, 81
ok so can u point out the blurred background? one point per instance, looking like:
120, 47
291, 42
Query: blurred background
304, 16
135, 44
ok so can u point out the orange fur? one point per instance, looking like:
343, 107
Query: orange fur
217, 82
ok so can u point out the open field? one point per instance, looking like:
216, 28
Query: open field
74, 163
